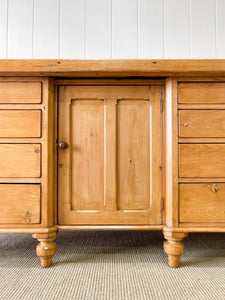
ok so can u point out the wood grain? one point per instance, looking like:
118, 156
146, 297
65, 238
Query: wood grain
110, 154
202, 202
202, 179
20, 123
202, 160
201, 79
206, 226
20, 203
108, 227
20, 160
118, 174
86, 150
201, 106
107, 92
106, 217
20, 92
202, 123
132, 190
170, 153
156, 153
46, 249
202, 92
47, 155
214, 227
133, 154
110, 81
113, 67
173, 247
197, 140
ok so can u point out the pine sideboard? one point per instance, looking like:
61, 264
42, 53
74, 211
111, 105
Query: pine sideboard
112, 145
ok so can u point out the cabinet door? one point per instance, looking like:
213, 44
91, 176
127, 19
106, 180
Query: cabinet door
110, 173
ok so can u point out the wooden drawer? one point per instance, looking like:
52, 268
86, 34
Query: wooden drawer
20, 203
202, 160
202, 202
20, 160
201, 92
20, 123
20, 92
202, 123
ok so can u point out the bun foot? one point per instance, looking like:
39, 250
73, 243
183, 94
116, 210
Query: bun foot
174, 261
173, 247
47, 248
46, 261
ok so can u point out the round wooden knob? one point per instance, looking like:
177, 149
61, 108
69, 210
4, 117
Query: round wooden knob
63, 145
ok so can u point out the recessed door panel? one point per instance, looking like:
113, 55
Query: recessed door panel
87, 155
133, 154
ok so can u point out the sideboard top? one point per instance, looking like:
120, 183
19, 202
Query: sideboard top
113, 68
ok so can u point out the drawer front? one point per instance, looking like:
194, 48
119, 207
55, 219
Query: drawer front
20, 123
20, 92
20, 160
202, 123
201, 92
202, 202
20, 203
202, 160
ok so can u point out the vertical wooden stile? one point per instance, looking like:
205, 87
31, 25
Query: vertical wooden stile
156, 152
47, 153
110, 193
171, 153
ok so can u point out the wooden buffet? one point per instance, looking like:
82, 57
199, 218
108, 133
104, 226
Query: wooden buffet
112, 145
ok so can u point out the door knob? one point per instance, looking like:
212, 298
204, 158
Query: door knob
63, 145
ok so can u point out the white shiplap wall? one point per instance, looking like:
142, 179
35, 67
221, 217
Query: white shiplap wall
112, 29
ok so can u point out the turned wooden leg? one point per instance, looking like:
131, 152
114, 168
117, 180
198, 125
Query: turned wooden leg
47, 248
173, 247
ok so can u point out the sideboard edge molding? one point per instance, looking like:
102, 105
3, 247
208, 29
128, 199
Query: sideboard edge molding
113, 67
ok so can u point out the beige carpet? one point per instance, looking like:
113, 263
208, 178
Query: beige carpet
112, 265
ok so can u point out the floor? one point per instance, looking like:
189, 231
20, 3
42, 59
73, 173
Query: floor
113, 265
